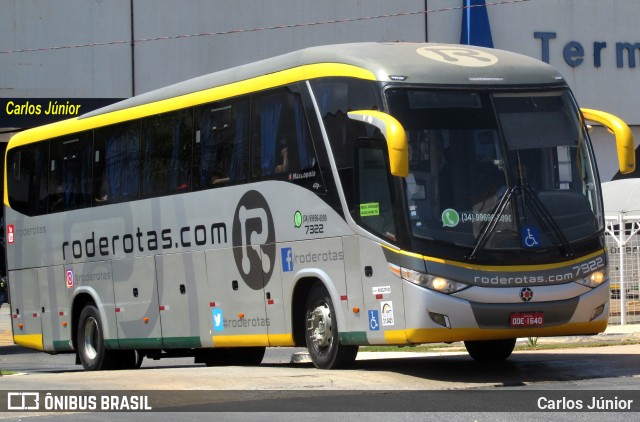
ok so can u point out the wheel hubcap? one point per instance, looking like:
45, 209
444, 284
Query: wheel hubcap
90, 338
320, 326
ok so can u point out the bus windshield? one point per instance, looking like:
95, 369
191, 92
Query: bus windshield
498, 171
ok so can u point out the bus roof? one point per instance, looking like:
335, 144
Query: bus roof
442, 65
415, 63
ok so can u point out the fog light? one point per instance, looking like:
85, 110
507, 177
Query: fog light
597, 312
440, 319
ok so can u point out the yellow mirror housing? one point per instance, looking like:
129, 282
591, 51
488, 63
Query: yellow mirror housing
624, 137
395, 135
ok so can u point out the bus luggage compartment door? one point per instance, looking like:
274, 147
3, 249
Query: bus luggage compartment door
136, 299
25, 308
238, 313
182, 284
54, 308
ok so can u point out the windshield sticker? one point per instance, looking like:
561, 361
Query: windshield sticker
450, 218
530, 237
369, 209
475, 217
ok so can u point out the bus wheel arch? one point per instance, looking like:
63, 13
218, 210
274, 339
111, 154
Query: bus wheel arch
88, 337
298, 307
79, 303
321, 331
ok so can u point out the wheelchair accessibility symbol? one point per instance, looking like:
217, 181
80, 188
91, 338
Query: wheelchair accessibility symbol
374, 320
530, 237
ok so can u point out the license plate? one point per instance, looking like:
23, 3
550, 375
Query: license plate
526, 319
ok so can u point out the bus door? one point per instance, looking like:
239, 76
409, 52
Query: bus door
382, 290
136, 301
40, 309
182, 290
236, 297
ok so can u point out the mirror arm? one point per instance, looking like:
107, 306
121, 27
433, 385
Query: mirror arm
395, 135
624, 138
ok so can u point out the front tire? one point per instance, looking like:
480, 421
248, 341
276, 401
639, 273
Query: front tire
321, 333
91, 348
490, 350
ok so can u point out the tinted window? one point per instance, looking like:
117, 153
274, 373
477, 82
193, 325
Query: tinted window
166, 154
70, 172
281, 142
335, 97
116, 173
27, 178
220, 148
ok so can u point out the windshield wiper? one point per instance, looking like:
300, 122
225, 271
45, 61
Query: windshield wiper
489, 227
538, 208
547, 220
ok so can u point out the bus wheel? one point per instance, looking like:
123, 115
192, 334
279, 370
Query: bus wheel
487, 350
321, 333
91, 349
126, 359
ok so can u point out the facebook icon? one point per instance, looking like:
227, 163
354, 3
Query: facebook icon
287, 259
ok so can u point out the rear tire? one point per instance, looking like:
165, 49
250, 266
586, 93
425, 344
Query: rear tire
490, 350
321, 333
126, 359
92, 352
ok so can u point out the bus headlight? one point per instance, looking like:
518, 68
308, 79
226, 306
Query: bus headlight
438, 284
594, 279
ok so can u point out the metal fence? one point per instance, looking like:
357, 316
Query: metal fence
623, 246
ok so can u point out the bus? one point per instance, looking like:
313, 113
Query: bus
333, 197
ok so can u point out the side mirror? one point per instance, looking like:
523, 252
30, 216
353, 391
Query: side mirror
395, 135
624, 137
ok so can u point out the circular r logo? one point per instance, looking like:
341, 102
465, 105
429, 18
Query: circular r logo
459, 56
254, 240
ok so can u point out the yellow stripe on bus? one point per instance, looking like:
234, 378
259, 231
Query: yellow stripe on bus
32, 341
444, 335
506, 268
250, 340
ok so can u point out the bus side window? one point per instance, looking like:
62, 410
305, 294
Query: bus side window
375, 209
213, 146
116, 170
269, 136
335, 98
220, 145
27, 178
166, 154
70, 173
281, 142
